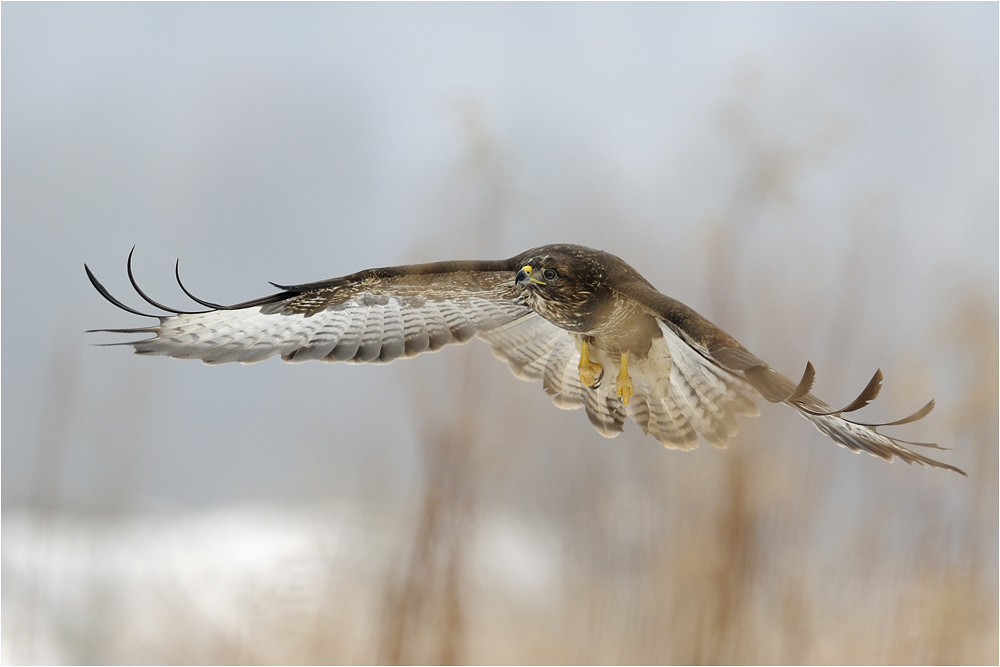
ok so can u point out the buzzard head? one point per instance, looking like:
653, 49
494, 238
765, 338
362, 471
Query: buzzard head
563, 283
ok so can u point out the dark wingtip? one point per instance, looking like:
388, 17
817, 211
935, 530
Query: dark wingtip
919, 414
867, 395
929, 445
120, 343
207, 304
805, 384
107, 295
145, 297
945, 466
125, 331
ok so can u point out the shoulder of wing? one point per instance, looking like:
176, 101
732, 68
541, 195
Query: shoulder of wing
692, 327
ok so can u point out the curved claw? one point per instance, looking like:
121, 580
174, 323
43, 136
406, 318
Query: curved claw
591, 373
623, 383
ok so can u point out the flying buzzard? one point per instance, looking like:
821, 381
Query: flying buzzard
596, 333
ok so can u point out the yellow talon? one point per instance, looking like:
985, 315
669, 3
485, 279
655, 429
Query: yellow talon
591, 372
623, 383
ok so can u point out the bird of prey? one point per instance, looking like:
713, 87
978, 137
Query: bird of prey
596, 333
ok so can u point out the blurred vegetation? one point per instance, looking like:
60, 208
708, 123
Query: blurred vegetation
782, 549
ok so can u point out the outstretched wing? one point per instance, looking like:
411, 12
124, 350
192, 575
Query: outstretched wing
679, 395
711, 374
376, 316
372, 316
536, 349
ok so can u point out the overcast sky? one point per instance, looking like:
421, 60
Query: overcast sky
296, 142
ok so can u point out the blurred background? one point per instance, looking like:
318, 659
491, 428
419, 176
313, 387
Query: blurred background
818, 179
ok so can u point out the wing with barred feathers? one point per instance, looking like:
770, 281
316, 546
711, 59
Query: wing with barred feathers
372, 316
536, 349
376, 316
678, 396
694, 341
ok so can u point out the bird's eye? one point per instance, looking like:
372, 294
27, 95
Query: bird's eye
549, 275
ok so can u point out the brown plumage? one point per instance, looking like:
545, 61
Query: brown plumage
564, 314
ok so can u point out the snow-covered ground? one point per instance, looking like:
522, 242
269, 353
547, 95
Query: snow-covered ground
134, 588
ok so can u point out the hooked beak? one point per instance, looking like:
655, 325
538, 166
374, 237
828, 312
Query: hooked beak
525, 276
